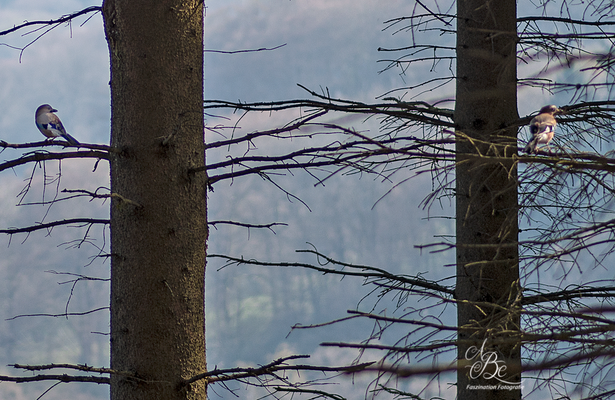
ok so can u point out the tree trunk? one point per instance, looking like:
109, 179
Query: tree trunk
158, 208
486, 205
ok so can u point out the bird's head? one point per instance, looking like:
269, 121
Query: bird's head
45, 108
551, 109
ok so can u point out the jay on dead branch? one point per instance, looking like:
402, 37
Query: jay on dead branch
50, 125
542, 128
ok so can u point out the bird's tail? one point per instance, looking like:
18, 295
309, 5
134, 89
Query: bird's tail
71, 139
531, 147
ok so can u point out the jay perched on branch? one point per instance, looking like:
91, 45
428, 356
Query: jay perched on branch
542, 127
50, 125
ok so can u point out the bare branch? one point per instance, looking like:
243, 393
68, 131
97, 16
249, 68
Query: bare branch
220, 375
365, 271
47, 225
41, 156
77, 367
246, 225
65, 314
58, 142
62, 19
64, 378
246, 51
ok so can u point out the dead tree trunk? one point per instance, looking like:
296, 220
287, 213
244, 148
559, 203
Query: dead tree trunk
486, 199
158, 210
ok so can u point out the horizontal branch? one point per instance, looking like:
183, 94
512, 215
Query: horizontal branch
246, 51
77, 367
65, 378
571, 294
571, 21
96, 195
417, 111
523, 36
395, 349
221, 375
78, 276
365, 147
47, 225
43, 156
366, 271
62, 19
419, 47
348, 161
65, 314
272, 132
246, 225
59, 142
353, 155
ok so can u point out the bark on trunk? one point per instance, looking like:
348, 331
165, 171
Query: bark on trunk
158, 210
486, 206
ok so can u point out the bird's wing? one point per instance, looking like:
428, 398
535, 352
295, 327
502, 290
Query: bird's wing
542, 123
56, 124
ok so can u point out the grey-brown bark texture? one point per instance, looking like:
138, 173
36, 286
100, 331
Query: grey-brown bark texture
158, 212
486, 192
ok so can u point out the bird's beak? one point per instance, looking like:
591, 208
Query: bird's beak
54, 110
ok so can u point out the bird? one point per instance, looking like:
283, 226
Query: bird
50, 125
542, 128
